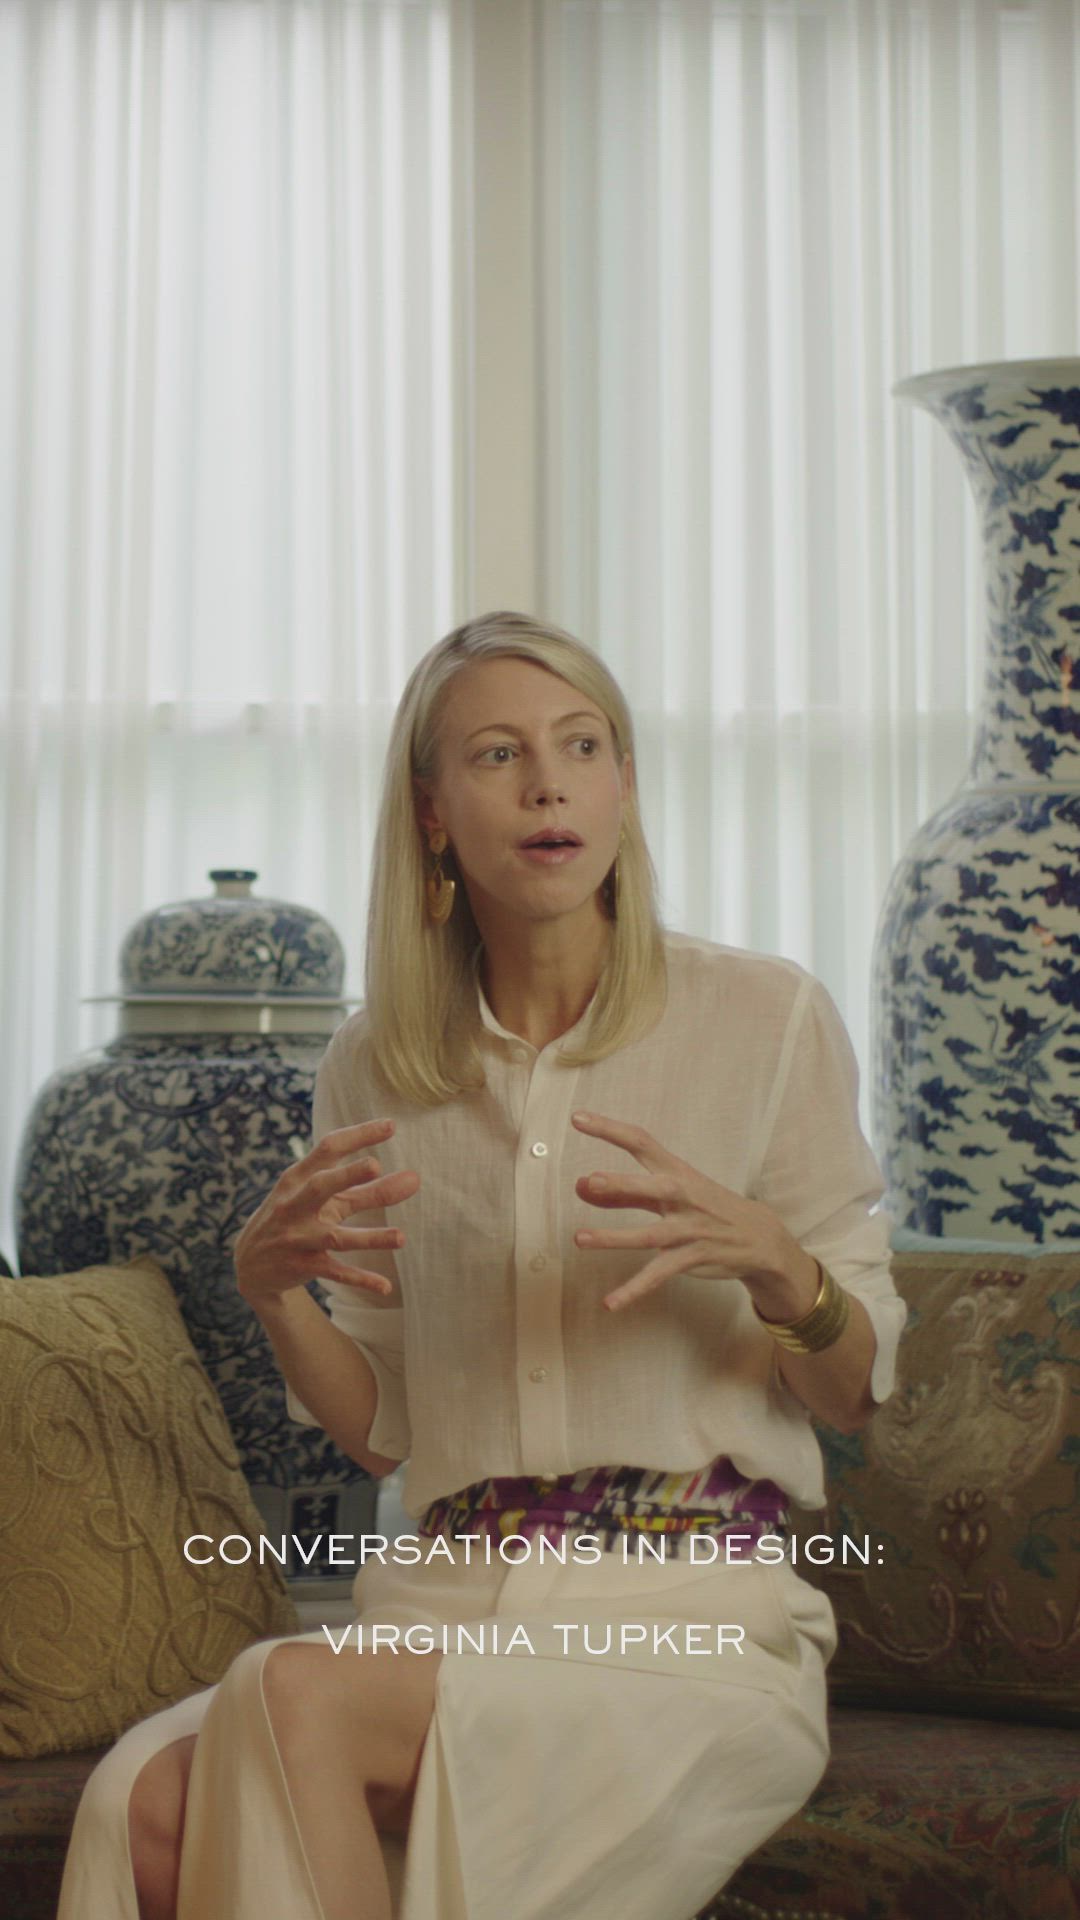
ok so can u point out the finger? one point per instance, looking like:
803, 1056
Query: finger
341, 1205
318, 1235
339, 1143
623, 1133
365, 1167
658, 1236
344, 1140
652, 1276
332, 1180
360, 1278
323, 1243
624, 1190
387, 1191
345, 1237
644, 1282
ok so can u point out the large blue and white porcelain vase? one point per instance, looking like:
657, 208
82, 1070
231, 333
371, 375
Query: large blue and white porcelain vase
976, 1001
165, 1141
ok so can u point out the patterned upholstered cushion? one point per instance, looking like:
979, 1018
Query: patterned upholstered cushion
922, 1817
917, 1818
115, 1449
38, 1799
966, 1482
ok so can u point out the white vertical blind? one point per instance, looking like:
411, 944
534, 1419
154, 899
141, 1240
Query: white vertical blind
328, 325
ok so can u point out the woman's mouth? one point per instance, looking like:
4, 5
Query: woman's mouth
542, 854
550, 849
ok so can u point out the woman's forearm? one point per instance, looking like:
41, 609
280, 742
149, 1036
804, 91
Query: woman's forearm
326, 1371
835, 1382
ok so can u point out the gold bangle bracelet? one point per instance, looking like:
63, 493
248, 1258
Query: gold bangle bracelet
819, 1328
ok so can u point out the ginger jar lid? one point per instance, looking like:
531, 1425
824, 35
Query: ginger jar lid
232, 943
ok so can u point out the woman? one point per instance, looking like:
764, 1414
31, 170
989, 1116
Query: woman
631, 1251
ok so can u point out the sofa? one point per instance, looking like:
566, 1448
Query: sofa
949, 1547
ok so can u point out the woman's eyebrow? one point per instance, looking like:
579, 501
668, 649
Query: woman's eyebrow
507, 726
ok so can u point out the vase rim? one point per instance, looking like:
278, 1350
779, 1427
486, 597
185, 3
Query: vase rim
926, 386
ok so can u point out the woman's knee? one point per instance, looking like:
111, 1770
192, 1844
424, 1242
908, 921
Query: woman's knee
107, 1792
158, 1797
240, 1685
300, 1684
245, 1667
385, 1706
156, 1827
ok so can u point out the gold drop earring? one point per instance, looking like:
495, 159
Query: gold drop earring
440, 889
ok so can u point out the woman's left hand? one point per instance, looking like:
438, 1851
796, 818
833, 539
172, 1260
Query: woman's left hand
701, 1227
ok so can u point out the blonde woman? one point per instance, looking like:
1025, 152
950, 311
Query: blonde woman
596, 1221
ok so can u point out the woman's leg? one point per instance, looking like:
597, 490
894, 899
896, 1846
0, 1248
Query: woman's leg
156, 1826
350, 1731
156, 1823
98, 1878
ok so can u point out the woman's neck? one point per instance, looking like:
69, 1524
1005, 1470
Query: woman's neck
539, 980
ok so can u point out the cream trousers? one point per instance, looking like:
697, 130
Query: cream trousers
587, 1771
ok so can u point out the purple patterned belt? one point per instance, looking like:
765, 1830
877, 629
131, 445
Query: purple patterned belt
609, 1502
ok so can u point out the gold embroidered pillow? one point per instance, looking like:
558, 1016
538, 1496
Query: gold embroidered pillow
115, 1449
967, 1481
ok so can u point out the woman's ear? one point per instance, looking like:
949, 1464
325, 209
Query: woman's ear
627, 775
425, 808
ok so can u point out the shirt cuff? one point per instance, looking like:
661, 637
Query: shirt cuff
887, 1317
390, 1431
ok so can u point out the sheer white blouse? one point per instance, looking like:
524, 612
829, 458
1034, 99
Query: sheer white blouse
494, 1354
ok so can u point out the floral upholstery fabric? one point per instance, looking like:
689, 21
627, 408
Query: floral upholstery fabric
38, 1799
918, 1817
922, 1817
966, 1481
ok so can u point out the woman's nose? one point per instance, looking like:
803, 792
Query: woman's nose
545, 790
544, 784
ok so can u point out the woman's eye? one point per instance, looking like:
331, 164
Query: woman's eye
586, 740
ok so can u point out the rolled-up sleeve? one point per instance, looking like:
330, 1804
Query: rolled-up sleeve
377, 1328
818, 1173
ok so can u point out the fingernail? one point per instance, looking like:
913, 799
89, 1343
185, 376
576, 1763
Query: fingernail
581, 1115
599, 1183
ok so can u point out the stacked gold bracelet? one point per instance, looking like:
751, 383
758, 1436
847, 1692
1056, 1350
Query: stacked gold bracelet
819, 1328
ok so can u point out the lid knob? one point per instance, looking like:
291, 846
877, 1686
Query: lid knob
232, 883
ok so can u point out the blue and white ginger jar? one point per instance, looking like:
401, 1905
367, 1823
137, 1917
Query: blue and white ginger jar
166, 1140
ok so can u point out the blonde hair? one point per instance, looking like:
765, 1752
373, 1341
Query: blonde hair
420, 978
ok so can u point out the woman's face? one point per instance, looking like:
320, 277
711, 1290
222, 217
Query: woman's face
522, 753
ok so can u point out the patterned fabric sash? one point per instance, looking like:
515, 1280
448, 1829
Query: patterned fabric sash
609, 1502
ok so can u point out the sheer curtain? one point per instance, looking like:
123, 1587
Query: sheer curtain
329, 325
754, 217
229, 367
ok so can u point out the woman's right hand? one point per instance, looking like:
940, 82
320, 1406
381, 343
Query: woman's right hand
297, 1232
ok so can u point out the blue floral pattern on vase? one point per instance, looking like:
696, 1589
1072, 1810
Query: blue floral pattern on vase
232, 942
976, 989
